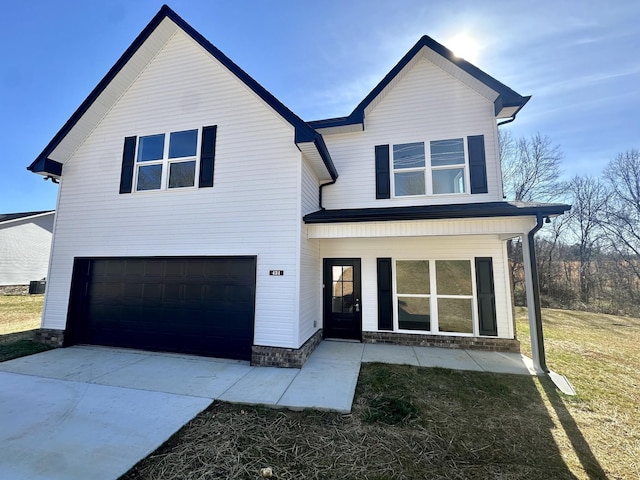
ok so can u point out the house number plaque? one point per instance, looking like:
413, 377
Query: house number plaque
276, 273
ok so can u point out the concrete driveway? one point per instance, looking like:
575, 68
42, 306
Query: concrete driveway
92, 413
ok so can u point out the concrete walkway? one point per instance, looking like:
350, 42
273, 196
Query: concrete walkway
455, 359
93, 412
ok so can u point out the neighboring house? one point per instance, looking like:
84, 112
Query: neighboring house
198, 214
25, 243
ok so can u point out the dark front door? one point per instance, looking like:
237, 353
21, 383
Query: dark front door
342, 311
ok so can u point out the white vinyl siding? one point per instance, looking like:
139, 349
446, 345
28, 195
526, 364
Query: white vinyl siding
310, 260
425, 104
431, 248
24, 249
252, 209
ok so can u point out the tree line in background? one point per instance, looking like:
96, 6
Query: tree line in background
588, 258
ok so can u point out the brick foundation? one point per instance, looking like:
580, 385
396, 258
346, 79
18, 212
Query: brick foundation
419, 340
14, 289
49, 336
285, 357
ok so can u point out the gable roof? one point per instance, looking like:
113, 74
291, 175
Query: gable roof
507, 102
124, 72
7, 217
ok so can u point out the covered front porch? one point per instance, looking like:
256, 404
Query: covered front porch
430, 240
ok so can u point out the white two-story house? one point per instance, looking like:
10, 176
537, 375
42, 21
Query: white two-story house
198, 214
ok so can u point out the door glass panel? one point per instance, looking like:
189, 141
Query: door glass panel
342, 289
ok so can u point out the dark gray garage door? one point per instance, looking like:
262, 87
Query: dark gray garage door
199, 305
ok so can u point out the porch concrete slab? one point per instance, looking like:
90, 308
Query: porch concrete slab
262, 385
336, 352
82, 364
501, 362
397, 354
328, 379
179, 374
454, 359
60, 429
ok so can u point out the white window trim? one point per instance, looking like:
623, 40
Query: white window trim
433, 298
428, 169
166, 162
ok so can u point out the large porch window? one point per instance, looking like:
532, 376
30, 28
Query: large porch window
435, 296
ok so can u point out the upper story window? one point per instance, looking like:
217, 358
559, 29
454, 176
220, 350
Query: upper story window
443, 173
167, 160
452, 167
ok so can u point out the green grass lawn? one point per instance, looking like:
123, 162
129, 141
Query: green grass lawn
21, 348
411, 423
19, 313
600, 354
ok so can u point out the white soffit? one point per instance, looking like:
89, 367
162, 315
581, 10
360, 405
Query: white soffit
310, 152
504, 227
508, 112
349, 128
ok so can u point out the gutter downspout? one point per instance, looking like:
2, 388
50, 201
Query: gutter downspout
320, 191
509, 120
535, 317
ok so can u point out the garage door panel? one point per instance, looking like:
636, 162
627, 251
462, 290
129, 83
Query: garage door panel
202, 305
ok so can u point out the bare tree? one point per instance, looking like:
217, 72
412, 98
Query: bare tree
530, 172
623, 215
530, 167
589, 197
550, 258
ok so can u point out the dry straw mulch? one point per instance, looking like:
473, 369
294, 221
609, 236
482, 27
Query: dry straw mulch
407, 423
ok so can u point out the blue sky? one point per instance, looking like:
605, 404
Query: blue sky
579, 59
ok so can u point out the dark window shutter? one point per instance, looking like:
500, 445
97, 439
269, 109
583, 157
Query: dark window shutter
383, 175
385, 295
207, 156
486, 296
477, 164
128, 160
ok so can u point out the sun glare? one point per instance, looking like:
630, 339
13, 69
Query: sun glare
464, 46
